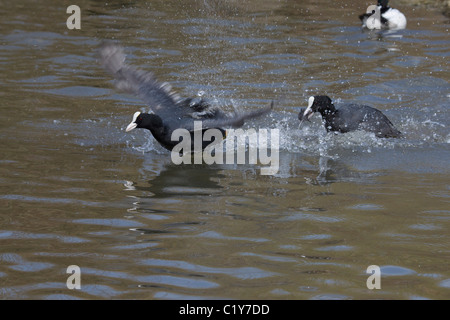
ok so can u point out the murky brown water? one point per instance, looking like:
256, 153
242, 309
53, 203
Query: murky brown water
77, 190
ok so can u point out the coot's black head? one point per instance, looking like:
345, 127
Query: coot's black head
321, 104
144, 120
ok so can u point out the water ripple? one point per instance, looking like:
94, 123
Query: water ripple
241, 273
6, 234
176, 281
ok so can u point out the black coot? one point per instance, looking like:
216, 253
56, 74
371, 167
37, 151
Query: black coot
349, 117
168, 111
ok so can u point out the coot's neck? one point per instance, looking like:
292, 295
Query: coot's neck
151, 122
160, 131
155, 124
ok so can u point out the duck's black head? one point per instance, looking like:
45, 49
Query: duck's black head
321, 104
383, 3
144, 120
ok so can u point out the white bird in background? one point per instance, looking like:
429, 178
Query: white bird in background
381, 16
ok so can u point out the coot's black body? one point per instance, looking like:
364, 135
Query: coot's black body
168, 111
350, 117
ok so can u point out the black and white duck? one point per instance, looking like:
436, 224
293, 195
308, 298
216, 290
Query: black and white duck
381, 16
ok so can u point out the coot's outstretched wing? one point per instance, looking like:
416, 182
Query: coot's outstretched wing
175, 111
235, 120
158, 96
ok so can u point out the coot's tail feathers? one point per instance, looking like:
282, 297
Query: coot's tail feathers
390, 132
394, 133
237, 119
131, 80
387, 130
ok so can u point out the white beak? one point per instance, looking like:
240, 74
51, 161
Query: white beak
309, 112
131, 126
133, 123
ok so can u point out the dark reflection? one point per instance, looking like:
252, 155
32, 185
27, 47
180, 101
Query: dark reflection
320, 170
150, 231
181, 180
334, 170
